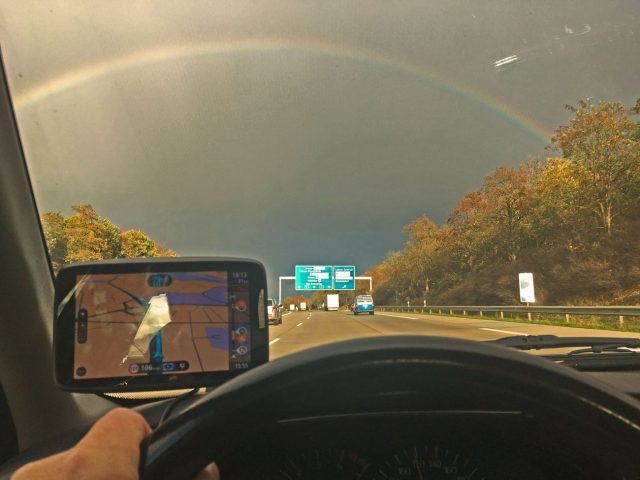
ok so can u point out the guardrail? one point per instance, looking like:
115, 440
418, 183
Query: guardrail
567, 311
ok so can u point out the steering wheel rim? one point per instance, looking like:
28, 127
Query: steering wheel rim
181, 447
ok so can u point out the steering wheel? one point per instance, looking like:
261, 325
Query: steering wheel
442, 373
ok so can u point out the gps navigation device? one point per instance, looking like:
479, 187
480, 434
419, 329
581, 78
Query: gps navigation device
153, 324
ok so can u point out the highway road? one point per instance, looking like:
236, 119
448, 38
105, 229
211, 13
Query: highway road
301, 330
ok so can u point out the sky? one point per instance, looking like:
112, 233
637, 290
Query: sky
298, 132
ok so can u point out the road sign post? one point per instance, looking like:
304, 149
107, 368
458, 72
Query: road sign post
314, 277
280, 287
344, 277
370, 281
527, 293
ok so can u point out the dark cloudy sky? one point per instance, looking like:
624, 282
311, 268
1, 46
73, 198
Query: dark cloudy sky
298, 132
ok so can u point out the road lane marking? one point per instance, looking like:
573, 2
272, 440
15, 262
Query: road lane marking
398, 316
274, 341
285, 314
299, 324
502, 331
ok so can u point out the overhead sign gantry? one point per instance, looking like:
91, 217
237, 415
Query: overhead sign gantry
323, 277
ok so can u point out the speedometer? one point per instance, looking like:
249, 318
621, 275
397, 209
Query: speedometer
323, 464
427, 463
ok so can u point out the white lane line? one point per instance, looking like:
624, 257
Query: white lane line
285, 314
399, 316
502, 331
274, 341
299, 324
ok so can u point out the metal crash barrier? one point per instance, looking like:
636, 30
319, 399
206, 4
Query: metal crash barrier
615, 311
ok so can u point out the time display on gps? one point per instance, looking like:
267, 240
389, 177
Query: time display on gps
151, 324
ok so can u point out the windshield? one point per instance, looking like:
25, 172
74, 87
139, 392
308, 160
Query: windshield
461, 156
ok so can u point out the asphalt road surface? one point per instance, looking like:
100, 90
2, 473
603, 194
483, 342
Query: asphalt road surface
301, 330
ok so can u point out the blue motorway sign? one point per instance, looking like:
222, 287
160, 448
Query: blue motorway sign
314, 277
344, 277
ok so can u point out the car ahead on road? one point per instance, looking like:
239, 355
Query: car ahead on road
363, 304
274, 312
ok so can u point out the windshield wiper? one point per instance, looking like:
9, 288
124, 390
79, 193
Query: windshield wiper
607, 353
592, 344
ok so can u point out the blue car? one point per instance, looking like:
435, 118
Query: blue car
363, 304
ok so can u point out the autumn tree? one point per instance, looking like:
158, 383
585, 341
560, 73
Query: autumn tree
558, 217
164, 251
390, 279
318, 298
506, 194
86, 236
136, 243
467, 235
90, 237
602, 140
420, 252
53, 226
381, 278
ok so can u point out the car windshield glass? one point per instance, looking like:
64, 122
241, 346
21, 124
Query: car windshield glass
473, 167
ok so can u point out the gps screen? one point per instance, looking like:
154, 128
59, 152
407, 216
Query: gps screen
138, 324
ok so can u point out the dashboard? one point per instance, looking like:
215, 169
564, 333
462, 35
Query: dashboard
341, 412
390, 444
457, 445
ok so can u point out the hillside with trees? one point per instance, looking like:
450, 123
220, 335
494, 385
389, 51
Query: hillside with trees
573, 219
84, 236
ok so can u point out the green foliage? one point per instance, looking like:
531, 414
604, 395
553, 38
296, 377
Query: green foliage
86, 236
571, 220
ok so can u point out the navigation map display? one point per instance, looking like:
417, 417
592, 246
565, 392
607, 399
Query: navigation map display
146, 324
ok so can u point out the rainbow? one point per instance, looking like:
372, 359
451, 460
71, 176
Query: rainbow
136, 59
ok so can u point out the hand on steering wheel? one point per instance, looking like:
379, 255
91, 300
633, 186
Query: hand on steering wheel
110, 450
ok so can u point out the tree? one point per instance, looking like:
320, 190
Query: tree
53, 226
507, 196
468, 234
136, 243
390, 279
558, 217
319, 298
420, 252
86, 236
164, 251
90, 237
603, 142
